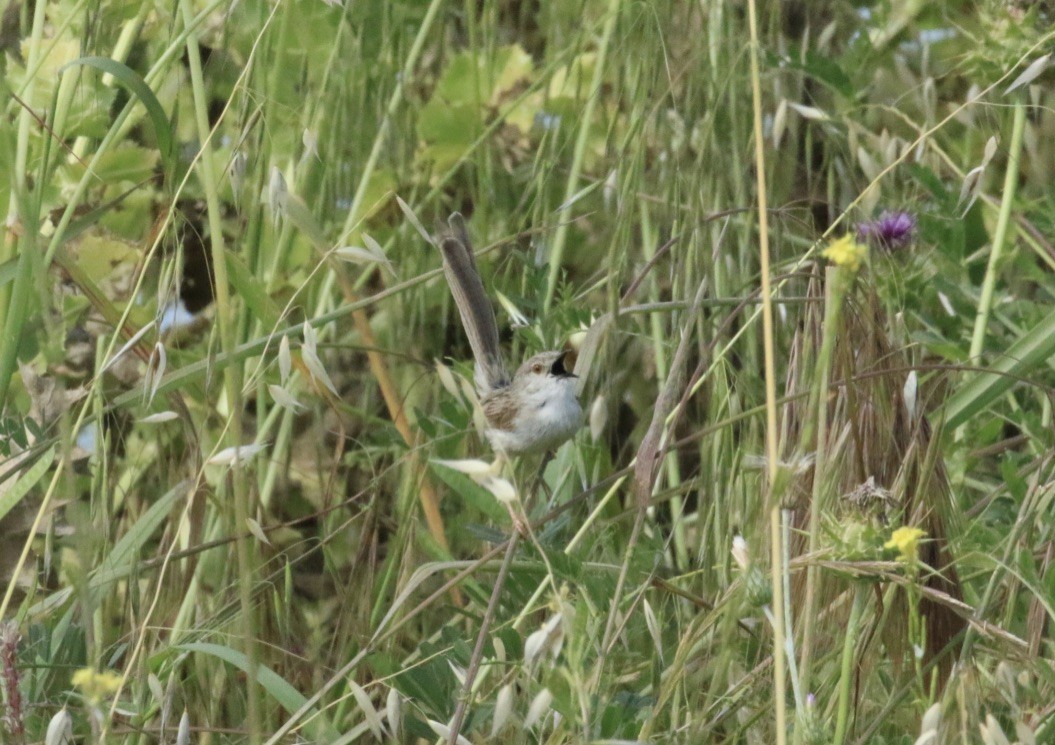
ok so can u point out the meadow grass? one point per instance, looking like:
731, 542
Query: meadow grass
803, 252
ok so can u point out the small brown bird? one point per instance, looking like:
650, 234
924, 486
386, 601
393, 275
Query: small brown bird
537, 409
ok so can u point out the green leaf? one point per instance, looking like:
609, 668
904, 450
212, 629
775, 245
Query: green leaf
8, 271
822, 69
251, 290
137, 86
447, 132
125, 163
1031, 350
29, 478
457, 85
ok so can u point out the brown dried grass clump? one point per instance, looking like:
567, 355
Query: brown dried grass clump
872, 439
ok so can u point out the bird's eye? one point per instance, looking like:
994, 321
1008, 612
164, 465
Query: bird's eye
536, 368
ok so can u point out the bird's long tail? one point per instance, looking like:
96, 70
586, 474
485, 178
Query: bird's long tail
474, 306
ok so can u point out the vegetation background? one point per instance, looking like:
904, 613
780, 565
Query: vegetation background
236, 499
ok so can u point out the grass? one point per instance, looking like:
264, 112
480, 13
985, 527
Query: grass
811, 502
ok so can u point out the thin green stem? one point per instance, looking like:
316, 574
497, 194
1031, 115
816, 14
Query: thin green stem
394, 102
13, 302
225, 321
556, 254
985, 302
833, 303
846, 675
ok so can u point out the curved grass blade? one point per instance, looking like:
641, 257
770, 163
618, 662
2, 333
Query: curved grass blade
1031, 350
284, 694
137, 86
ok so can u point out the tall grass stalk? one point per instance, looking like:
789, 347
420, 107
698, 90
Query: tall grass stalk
1007, 199
13, 301
226, 321
833, 303
776, 551
846, 668
586, 121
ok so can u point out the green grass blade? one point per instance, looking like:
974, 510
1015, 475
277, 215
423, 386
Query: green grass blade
1018, 361
142, 91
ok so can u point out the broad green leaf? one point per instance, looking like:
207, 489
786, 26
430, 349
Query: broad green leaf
512, 67
101, 257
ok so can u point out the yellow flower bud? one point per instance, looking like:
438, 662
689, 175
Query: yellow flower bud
846, 252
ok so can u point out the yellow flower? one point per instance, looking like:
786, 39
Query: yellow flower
846, 252
97, 685
905, 540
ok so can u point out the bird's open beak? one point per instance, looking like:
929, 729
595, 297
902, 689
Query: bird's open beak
559, 370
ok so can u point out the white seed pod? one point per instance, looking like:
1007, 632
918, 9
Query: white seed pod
1024, 734
502, 489
992, 733
1030, 74
309, 353
373, 719
285, 359
156, 366
60, 729
458, 671
447, 379
909, 393
257, 531
444, 731
311, 144
183, 733
653, 628
540, 706
931, 719
394, 712
503, 708
237, 173
810, 112
472, 467
598, 417
285, 399
159, 418
413, 219
740, 552
548, 638
611, 189
277, 194
236, 453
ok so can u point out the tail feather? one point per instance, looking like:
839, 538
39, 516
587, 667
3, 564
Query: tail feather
474, 306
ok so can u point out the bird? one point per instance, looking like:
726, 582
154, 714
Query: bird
532, 411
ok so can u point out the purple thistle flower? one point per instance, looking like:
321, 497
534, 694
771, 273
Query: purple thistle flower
892, 230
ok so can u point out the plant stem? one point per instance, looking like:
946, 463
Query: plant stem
846, 672
481, 639
985, 302
225, 321
556, 254
819, 396
775, 537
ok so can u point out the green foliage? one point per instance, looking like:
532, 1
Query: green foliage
227, 512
